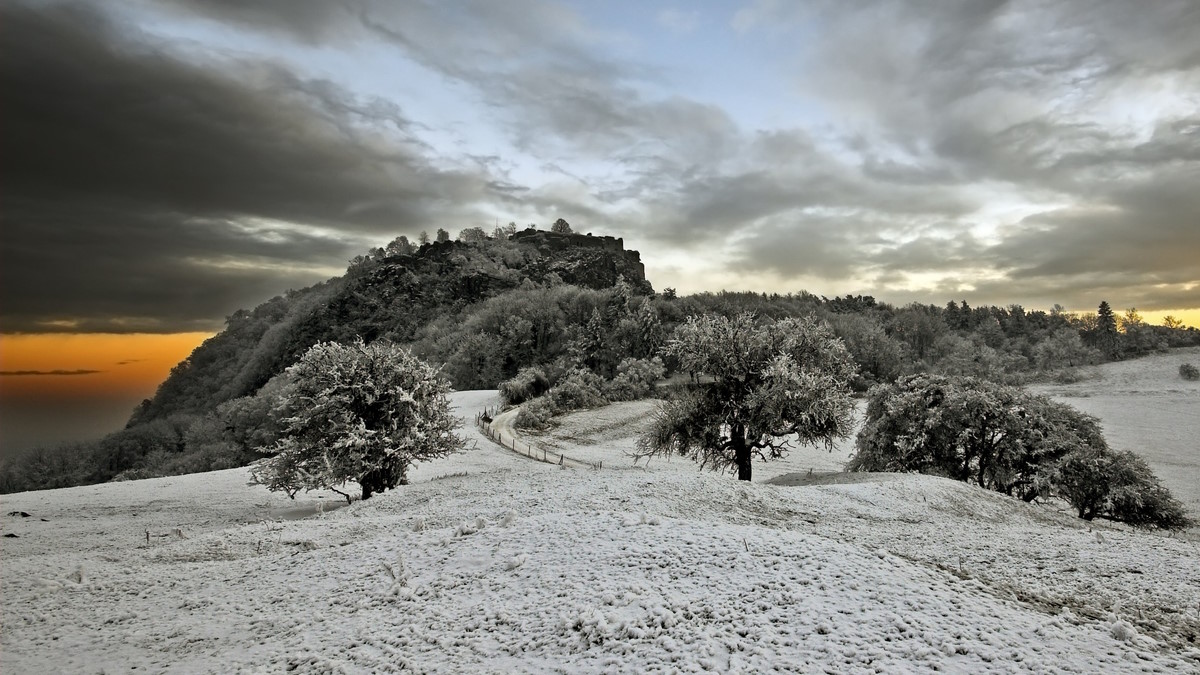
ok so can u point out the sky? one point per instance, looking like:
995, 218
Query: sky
164, 163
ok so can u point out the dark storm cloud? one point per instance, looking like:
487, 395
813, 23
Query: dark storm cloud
145, 192
145, 189
694, 176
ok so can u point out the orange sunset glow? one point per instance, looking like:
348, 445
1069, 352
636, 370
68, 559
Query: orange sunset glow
60, 387
1189, 317
56, 365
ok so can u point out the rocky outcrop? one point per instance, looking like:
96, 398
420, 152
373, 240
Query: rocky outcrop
390, 298
585, 260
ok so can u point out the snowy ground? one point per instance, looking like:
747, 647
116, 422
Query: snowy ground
609, 435
491, 562
1145, 406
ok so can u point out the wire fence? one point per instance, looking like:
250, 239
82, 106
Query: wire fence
484, 419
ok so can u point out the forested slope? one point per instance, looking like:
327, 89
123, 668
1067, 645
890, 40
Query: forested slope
389, 297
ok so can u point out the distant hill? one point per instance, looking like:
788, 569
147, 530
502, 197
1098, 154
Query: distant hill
390, 296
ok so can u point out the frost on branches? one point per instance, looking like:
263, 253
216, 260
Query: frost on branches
1005, 439
755, 388
362, 413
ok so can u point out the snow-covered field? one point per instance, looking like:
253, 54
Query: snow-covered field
1145, 406
491, 562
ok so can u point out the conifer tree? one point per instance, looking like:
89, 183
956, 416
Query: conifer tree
1107, 338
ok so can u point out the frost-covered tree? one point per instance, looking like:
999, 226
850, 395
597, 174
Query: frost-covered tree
879, 357
361, 412
505, 232
1117, 485
756, 387
472, 235
1008, 440
400, 246
969, 429
1064, 349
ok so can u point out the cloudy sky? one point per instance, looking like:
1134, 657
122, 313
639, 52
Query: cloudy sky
166, 162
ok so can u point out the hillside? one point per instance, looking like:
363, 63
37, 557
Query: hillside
485, 308
501, 564
387, 296
1145, 406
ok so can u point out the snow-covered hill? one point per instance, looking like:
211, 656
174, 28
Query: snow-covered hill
491, 562
1146, 407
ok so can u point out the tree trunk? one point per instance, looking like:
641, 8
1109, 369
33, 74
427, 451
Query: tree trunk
741, 452
371, 483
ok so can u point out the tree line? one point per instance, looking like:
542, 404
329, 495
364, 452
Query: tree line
490, 313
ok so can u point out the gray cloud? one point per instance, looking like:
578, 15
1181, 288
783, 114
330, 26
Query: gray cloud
311, 21
162, 192
145, 192
1078, 106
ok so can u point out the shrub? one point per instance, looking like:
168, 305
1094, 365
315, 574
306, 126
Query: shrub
635, 379
1118, 485
1189, 372
581, 388
362, 413
1081, 479
1010, 441
535, 414
527, 384
1137, 497
963, 428
202, 457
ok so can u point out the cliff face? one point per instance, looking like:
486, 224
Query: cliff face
584, 260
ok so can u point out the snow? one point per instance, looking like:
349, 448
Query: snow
1146, 407
608, 434
492, 562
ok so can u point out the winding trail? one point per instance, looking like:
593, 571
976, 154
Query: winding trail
504, 431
